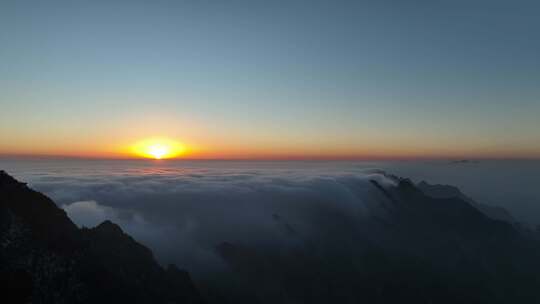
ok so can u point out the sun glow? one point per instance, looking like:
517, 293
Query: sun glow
158, 148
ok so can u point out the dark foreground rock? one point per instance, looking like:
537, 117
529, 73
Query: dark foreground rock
45, 258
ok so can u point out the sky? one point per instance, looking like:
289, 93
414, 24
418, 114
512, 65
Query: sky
271, 79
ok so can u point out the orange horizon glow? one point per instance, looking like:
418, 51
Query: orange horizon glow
149, 152
126, 145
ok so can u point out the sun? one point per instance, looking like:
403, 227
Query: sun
158, 148
158, 151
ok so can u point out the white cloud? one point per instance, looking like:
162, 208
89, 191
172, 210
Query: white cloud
182, 217
89, 213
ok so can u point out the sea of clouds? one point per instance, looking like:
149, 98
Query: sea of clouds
182, 215
182, 211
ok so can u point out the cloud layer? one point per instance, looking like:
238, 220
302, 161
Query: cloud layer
220, 219
183, 216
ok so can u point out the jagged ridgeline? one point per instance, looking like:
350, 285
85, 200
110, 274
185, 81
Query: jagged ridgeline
413, 248
45, 258
415, 244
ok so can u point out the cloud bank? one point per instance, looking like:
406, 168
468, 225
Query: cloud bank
184, 216
243, 228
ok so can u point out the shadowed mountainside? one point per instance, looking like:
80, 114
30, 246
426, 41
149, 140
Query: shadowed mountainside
447, 191
413, 244
45, 258
413, 248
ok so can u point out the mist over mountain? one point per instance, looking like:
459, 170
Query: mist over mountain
509, 184
45, 258
314, 235
270, 152
447, 191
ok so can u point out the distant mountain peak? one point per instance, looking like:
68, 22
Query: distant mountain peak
448, 191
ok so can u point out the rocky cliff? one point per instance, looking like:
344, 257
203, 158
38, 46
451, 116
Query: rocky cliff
45, 258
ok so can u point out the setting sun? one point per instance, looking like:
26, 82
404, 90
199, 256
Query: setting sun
158, 148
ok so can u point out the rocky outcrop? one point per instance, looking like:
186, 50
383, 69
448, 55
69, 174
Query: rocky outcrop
45, 258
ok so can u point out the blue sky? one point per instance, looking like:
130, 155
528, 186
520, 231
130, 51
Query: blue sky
272, 78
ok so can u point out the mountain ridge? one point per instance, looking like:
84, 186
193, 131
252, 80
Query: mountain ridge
412, 248
46, 258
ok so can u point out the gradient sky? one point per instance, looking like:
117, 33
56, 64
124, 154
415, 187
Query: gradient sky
241, 79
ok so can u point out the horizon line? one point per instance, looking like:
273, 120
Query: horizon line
285, 158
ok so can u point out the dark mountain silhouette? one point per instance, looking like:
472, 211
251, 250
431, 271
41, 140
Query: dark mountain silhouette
447, 191
415, 244
45, 258
412, 248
